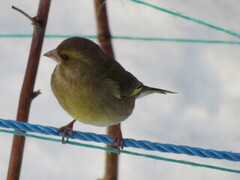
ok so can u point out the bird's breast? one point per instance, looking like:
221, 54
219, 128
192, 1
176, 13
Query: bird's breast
90, 103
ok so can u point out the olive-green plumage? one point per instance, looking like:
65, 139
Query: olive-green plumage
93, 87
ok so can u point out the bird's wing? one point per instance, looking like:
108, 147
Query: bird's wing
122, 83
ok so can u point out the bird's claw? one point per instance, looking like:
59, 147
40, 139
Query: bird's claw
119, 142
65, 129
118, 139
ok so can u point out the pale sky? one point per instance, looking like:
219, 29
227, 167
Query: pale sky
205, 112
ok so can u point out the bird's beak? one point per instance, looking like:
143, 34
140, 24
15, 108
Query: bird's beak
53, 55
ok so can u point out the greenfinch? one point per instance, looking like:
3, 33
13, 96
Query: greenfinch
93, 87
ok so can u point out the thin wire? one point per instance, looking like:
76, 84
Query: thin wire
127, 38
188, 18
124, 151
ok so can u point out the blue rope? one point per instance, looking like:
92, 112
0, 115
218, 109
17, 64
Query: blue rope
152, 146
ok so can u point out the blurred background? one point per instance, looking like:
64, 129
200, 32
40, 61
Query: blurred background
205, 112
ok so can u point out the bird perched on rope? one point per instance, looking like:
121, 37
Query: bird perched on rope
93, 87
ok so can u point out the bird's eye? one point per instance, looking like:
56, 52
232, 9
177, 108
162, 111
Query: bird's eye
64, 57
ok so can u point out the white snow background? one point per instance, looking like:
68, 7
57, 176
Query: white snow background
205, 112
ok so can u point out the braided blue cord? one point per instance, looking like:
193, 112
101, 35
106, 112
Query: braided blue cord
152, 146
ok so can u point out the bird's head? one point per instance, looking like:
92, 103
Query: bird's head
76, 51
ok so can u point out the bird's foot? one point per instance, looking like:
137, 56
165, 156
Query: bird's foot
65, 129
118, 139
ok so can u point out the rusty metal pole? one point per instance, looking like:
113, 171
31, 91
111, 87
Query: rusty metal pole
27, 93
104, 37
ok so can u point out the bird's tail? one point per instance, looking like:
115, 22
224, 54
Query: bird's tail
149, 90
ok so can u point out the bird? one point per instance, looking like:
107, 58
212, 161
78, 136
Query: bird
93, 87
